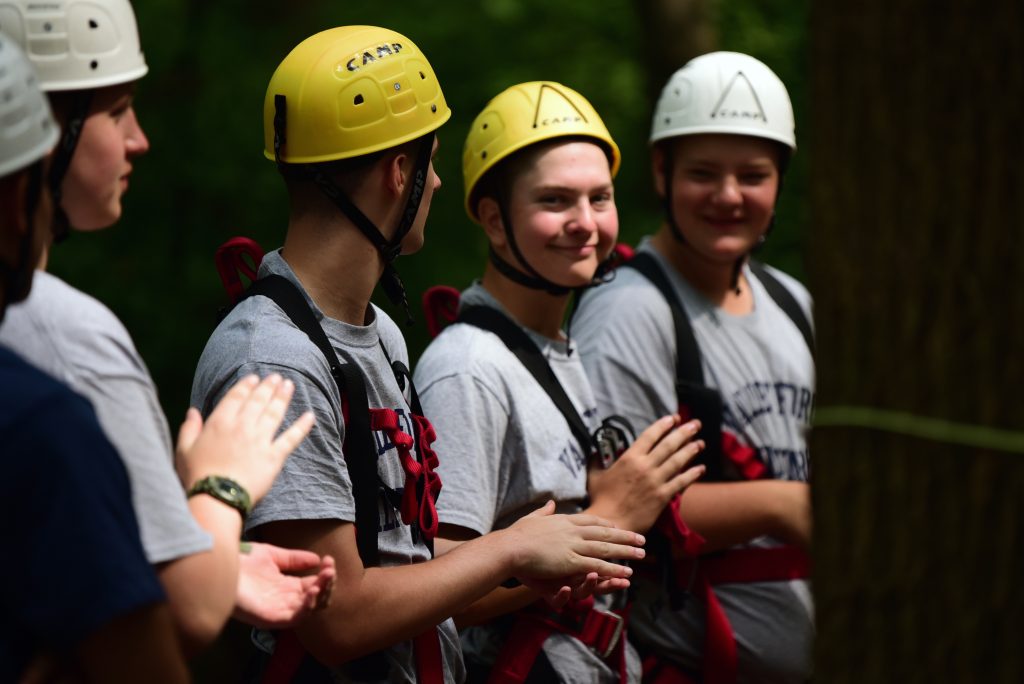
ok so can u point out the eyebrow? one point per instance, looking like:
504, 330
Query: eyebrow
758, 163
566, 188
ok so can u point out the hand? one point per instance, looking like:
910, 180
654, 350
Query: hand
238, 440
635, 489
560, 591
270, 599
547, 546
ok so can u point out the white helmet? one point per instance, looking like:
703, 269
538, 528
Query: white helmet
76, 44
725, 92
27, 129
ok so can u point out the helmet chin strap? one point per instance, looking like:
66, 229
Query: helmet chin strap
389, 250
531, 278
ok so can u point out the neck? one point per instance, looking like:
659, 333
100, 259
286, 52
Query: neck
713, 279
336, 264
533, 309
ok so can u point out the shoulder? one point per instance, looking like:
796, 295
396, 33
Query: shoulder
629, 294
68, 332
794, 286
629, 307
464, 350
256, 336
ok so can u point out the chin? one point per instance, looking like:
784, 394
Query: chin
92, 222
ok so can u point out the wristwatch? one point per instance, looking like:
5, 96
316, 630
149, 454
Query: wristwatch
226, 490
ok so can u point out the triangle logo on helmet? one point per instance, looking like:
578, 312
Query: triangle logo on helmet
739, 101
557, 108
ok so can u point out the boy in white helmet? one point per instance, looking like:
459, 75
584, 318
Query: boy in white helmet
64, 496
517, 430
88, 58
350, 117
695, 324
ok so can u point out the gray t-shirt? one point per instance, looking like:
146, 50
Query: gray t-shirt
765, 372
314, 484
506, 450
79, 341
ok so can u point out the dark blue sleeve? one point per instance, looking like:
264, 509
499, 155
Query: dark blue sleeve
72, 557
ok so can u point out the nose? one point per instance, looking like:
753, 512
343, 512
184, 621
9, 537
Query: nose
728, 191
583, 219
136, 142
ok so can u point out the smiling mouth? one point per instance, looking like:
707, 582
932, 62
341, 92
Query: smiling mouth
577, 251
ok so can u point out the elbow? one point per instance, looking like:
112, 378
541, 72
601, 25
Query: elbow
334, 648
197, 628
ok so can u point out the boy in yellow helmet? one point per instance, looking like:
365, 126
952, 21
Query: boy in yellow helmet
538, 166
350, 117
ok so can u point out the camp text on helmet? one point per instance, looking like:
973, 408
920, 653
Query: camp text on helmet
372, 54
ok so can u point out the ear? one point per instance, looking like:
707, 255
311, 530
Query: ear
490, 218
658, 169
394, 173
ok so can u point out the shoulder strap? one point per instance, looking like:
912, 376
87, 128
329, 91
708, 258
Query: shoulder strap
786, 301
695, 398
520, 344
688, 358
359, 446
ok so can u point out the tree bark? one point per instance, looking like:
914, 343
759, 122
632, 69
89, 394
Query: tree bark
675, 31
915, 264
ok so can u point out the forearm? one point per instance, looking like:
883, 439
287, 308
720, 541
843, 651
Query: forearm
405, 600
201, 588
730, 513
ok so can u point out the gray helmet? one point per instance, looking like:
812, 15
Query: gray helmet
28, 131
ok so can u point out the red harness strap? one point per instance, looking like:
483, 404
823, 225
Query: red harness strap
602, 631
700, 573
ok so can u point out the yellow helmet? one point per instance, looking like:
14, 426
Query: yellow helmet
350, 91
523, 115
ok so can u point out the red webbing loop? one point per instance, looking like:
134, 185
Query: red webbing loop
416, 507
440, 308
230, 259
604, 632
743, 457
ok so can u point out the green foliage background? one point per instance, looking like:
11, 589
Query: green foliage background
205, 178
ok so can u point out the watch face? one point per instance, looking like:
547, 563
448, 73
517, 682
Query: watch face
228, 488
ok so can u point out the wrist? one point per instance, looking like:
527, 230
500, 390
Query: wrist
224, 490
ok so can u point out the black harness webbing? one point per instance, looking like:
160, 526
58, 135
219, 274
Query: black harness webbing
786, 301
702, 401
359, 446
520, 344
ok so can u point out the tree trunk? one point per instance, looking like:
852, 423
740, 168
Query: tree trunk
675, 32
916, 265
